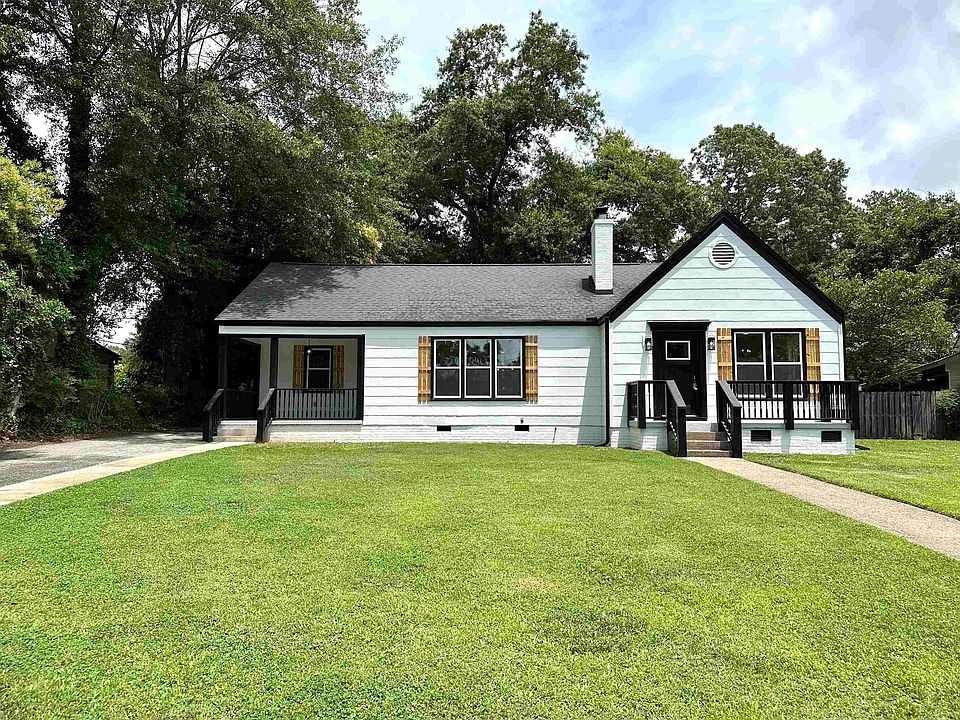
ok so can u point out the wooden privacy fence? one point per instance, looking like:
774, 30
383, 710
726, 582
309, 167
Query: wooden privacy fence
900, 414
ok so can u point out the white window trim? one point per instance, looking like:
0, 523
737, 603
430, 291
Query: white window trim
668, 343
498, 366
458, 367
488, 367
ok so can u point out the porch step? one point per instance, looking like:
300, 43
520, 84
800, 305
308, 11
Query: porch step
704, 435
237, 430
707, 444
707, 453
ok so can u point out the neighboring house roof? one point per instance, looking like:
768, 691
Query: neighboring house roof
938, 361
299, 293
725, 217
106, 355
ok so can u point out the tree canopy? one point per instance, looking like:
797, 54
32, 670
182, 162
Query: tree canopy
193, 142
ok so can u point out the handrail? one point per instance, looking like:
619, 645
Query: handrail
729, 416
265, 415
677, 417
211, 419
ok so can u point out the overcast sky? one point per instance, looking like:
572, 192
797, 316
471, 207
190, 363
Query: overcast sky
876, 84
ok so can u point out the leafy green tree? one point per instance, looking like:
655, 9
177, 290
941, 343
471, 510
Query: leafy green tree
493, 112
651, 192
33, 266
647, 189
797, 203
902, 230
894, 322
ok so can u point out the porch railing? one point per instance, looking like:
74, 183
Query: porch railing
729, 414
212, 414
659, 400
265, 414
304, 404
789, 401
239, 404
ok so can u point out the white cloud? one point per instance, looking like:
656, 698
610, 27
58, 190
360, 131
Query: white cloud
902, 132
731, 47
801, 29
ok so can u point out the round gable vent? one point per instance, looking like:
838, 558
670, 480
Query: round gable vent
723, 254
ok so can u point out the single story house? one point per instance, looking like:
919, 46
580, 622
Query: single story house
941, 374
723, 348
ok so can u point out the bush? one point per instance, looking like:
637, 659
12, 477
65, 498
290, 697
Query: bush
948, 407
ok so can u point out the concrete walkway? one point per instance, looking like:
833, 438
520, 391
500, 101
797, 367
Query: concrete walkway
34, 486
923, 527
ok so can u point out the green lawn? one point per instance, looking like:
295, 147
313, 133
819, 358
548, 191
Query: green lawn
925, 473
463, 581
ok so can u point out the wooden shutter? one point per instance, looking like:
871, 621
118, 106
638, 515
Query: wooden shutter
531, 367
425, 356
813, 353
813, 360
724, 354
337, 378
299, 353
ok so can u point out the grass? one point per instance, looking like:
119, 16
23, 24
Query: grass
925, 473
462, 582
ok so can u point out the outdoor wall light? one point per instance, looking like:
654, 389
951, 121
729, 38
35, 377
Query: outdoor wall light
648, 343
711, 343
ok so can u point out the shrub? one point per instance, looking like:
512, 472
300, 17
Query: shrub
948, 406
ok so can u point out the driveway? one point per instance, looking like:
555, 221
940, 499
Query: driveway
36, 461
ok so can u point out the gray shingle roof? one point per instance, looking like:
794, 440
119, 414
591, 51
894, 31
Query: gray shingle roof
296, 292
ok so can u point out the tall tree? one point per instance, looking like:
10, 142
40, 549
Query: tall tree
647, 190
33, 268
903, 230
894, 322
797, 203
493, 112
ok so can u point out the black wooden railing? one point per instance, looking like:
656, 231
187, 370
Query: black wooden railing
265, 414
212, 414
239, 404
302, 404
676, 419
789, 401
729, 414
646, 400
659, 400
227, 404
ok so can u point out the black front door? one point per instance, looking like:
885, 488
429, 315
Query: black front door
680, 355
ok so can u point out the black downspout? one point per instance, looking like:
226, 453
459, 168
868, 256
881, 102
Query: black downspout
606, 383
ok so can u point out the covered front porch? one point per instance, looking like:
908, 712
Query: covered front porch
266, 379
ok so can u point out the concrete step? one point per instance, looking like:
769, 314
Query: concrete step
707, 453
237, 431
707, 444
703, 435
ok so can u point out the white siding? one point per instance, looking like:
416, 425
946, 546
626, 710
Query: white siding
569, 410
750, 294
